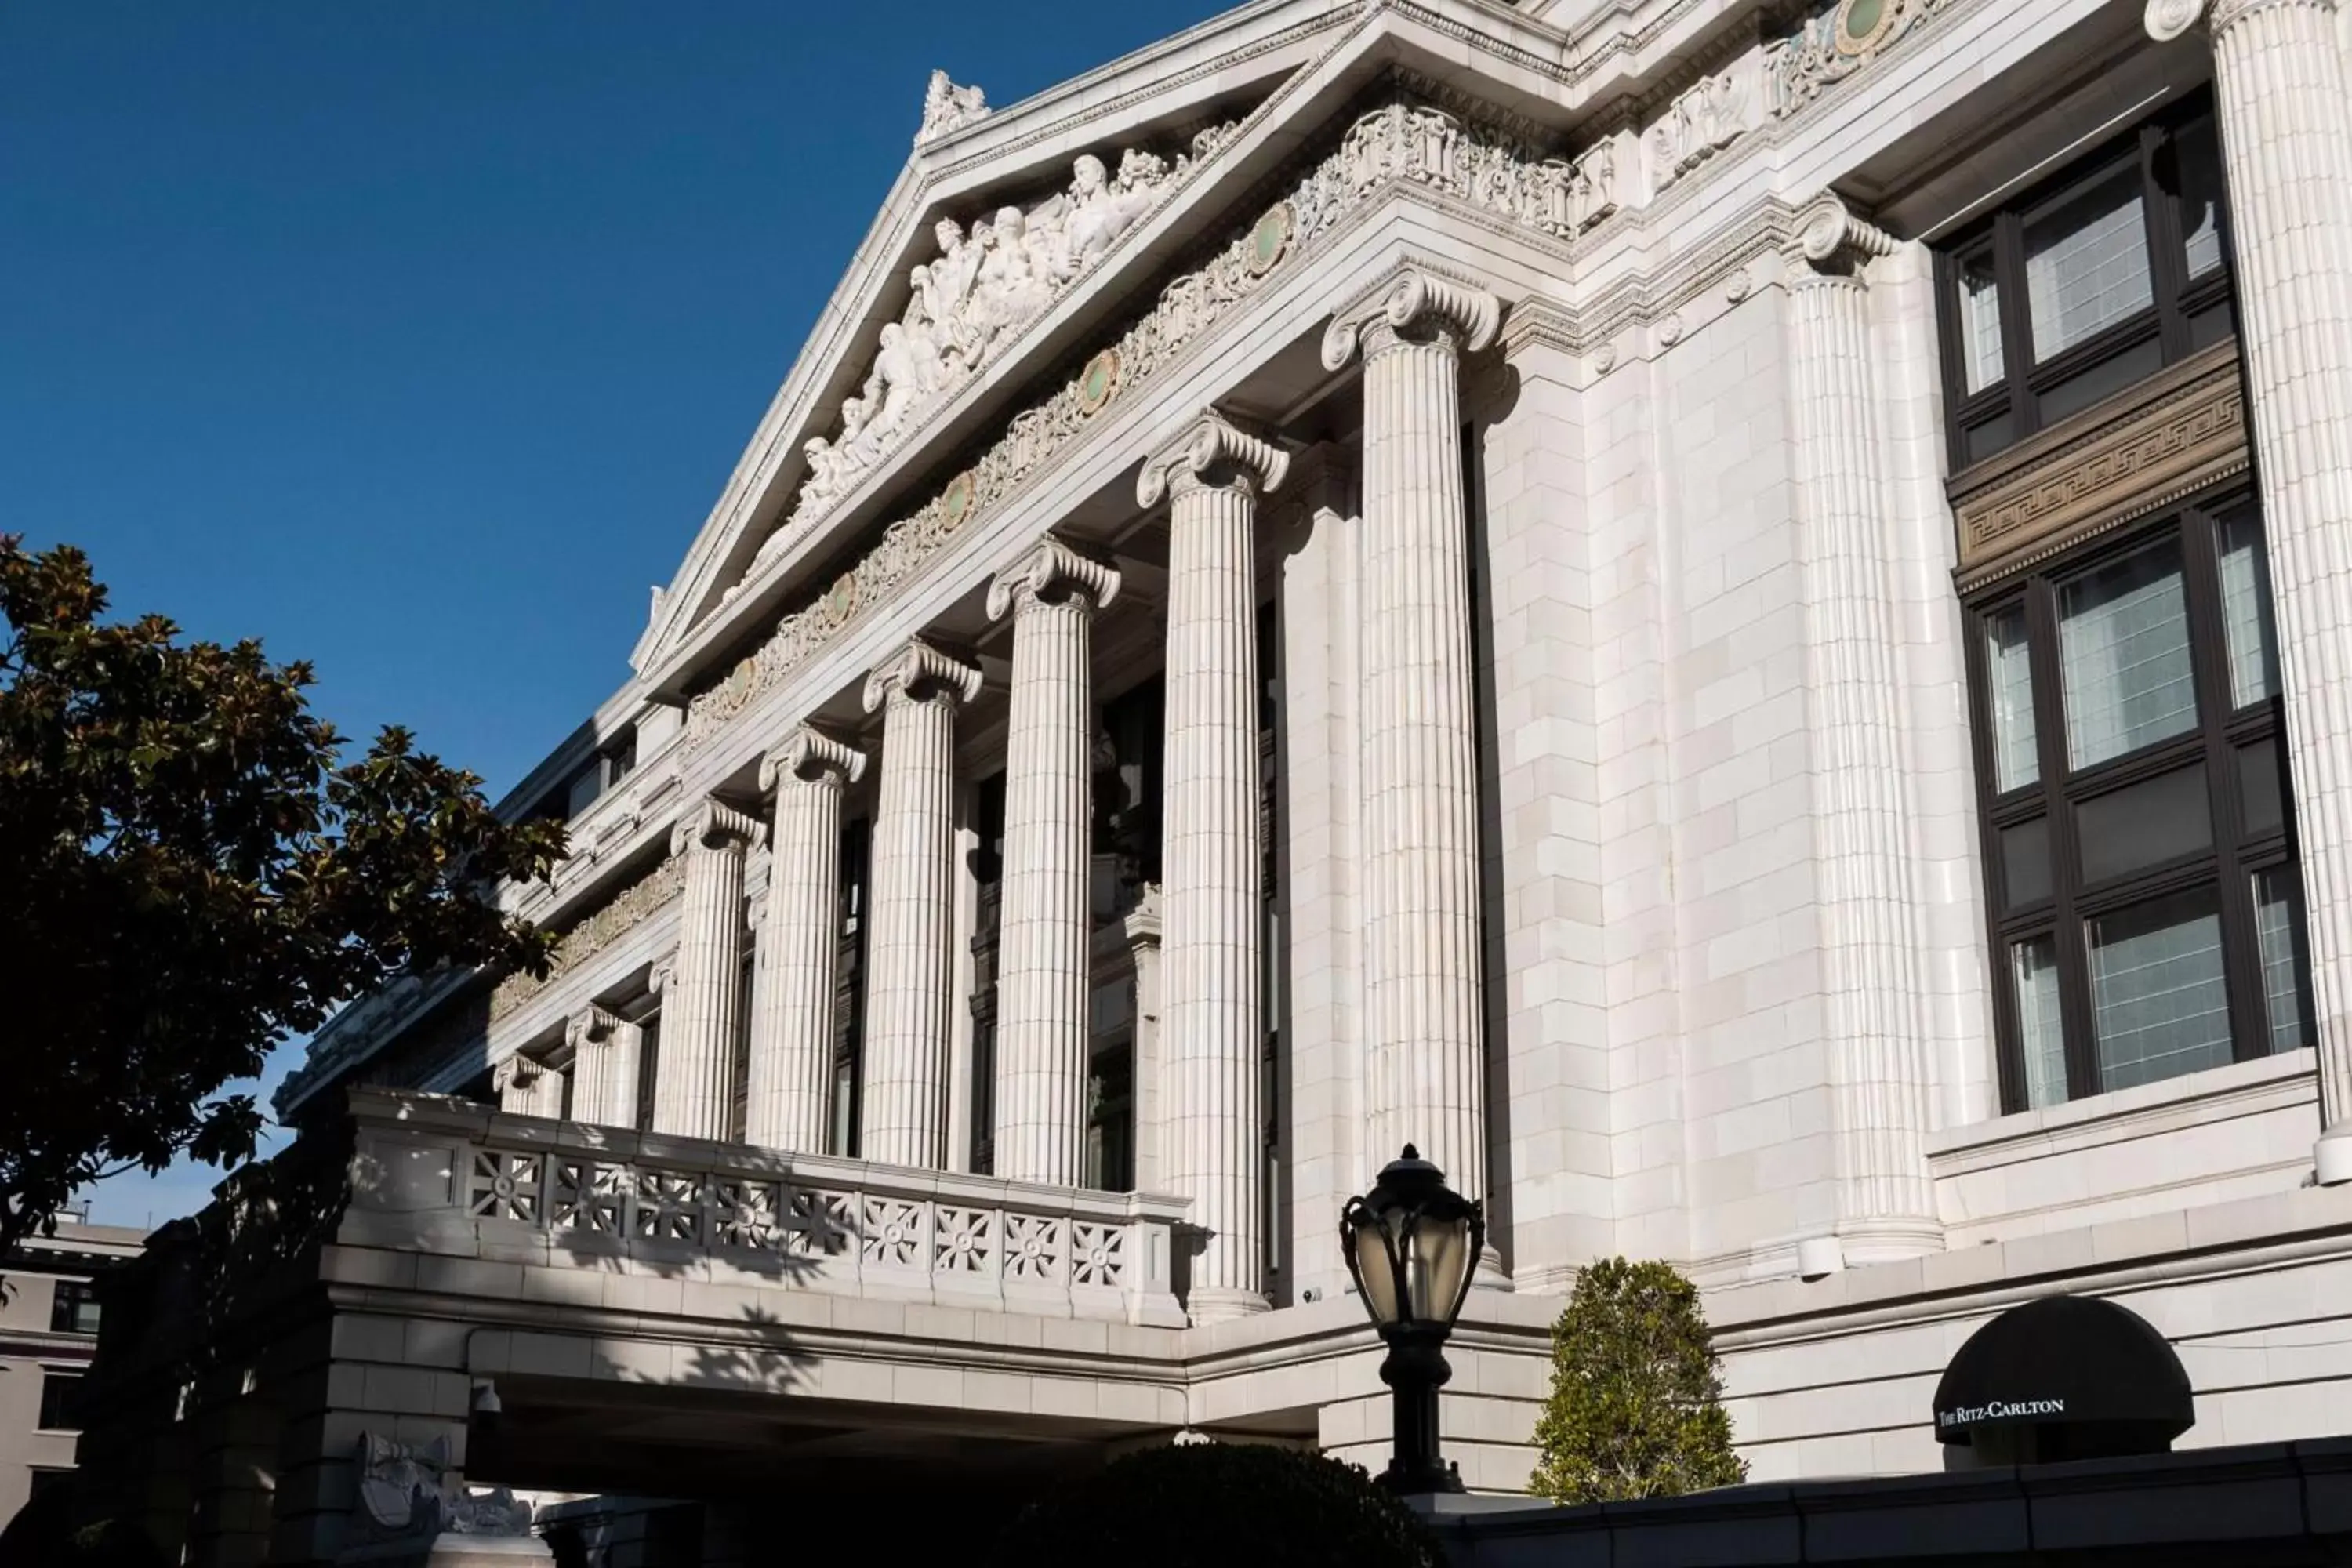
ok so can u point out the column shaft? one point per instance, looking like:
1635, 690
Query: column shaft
1426, 1017
1043, 961
1212, 911
603, 1069
702, 1012
1878, 1061
789, 1079
2286, 141
912, 877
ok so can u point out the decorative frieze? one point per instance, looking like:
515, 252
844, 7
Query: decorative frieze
2176, 433
1835, 44
1402, 143
593, 935
1700, 122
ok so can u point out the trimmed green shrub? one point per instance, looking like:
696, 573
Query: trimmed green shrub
1636, 1405
1220, 1505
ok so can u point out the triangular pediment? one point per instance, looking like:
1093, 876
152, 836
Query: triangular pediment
1068, 209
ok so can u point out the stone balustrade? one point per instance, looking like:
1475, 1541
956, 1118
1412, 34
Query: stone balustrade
443, 1175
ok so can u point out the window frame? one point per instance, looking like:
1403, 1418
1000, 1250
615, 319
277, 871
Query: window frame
2230, 862
2178, 297
66, 1297
59, 1388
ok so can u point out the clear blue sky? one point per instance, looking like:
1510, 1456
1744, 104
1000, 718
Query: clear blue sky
416, 337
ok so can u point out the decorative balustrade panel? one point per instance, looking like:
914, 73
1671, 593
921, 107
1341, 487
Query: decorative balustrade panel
835, 1225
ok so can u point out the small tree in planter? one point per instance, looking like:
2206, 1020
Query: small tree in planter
1636, 1405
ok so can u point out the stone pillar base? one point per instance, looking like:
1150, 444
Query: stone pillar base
1203, 1306
452, 1550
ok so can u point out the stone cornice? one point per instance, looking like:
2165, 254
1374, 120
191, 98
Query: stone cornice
1211, 452
1051, 570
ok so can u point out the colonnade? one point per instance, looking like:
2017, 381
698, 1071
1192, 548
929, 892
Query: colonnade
1425, 1029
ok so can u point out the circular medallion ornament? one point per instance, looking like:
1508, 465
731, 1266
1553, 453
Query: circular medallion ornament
1270, 241
1862, 24
739, 678
841, 599
955, 501
1098, 382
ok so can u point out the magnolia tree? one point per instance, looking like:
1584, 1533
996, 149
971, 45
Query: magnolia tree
1636, 1405
191, 869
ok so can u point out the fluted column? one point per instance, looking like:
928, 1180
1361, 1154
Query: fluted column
2281, 88
789, 1079
702, 1010
1878, 1050
1042, 954
1212, 900
527, 1087
903, 1119
604, 1068
1426, 1016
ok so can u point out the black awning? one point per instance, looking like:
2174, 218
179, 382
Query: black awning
2072, 1362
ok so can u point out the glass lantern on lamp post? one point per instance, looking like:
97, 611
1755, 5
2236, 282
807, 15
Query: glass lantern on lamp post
1412, 1244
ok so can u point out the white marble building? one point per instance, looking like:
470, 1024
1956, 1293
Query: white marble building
1675, 600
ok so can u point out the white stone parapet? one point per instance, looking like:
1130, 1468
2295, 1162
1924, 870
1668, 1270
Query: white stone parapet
702, 1005
1044, 958
1212, 902
1426, 1015
434, 1174
789, 1079
1871, 984
903, 1118
2285, 107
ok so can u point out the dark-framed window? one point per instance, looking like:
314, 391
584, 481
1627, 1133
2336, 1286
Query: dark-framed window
2091, 281
57, 1392
2145, 912
73, 1307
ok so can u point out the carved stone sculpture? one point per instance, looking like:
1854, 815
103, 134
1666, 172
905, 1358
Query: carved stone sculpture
411, 1490
947, 107
965, 303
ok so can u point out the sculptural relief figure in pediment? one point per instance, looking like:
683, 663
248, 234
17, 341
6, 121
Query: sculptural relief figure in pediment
974, 296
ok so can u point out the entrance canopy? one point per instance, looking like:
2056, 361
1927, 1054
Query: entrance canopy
2065, 1377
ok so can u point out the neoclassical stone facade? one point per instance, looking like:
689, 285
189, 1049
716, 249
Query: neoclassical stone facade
1726, 617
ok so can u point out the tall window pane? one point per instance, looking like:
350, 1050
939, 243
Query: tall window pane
2124, 656
2035, 964
2246, 610
2199, 155
2086, 260
1981, 350
2277, 912
2160, 1007
2015, 762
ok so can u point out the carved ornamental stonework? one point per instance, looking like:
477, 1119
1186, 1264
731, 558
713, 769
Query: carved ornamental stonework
1835, 44
1403, 143
966, 303
593, 935
2172, 436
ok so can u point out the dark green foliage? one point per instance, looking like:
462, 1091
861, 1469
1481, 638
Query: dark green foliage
190, 871
1220, 1505
1636, 1402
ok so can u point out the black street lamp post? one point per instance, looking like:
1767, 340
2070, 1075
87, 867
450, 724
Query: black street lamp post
1412, 1244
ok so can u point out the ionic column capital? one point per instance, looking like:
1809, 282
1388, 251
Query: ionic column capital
663, 974
2169, 19
1415, 300
517, 1072
1211, 454
923, 672
592, 1025
1829, 242
714, 825
1052, 572
812, 756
